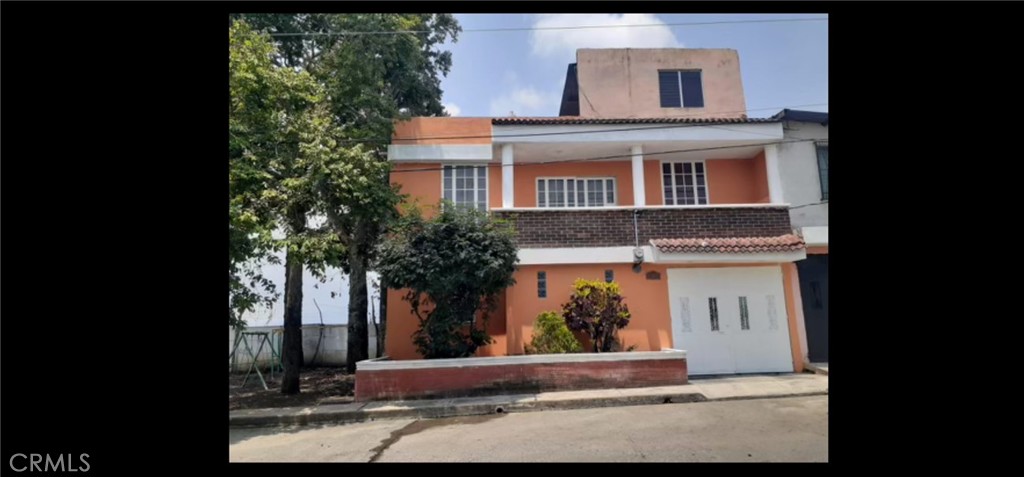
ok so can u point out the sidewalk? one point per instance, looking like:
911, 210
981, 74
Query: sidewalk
699, 389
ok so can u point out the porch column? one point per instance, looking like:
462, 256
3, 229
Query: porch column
639, 197
507, 177
771, 165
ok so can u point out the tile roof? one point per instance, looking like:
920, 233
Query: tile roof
579, 120
782, 243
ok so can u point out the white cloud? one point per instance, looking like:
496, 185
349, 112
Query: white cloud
526, 101
453, 109
562, 44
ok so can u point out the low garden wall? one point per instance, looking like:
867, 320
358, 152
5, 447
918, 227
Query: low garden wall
382, 379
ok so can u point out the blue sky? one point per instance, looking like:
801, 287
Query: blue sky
493, 73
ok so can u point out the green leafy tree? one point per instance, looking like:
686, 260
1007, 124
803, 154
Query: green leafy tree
552, 336
597, 309
370, 80
277, 127
454, 266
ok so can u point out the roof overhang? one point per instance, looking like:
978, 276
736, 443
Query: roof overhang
760, 132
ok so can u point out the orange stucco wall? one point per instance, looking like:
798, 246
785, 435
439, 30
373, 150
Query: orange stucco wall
422, 183
820, 250
424, 130
650, 329
736, 181
730, 181
526, 179
760, 180
791, 287
494, 187
653, 188
402, 323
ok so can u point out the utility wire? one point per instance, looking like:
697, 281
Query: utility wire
580, 27
645, 126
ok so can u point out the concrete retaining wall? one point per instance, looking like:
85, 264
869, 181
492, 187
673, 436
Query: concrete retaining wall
443, 378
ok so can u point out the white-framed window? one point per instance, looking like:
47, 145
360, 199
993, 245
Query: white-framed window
684, 182
465, 186
575, 191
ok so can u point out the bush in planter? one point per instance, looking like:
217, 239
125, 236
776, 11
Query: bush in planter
454, 267
552, 336
596, 308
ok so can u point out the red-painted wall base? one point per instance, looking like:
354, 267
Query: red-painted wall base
471, 380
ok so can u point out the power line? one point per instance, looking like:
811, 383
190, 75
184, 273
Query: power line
580, 27
555, 133
601, 158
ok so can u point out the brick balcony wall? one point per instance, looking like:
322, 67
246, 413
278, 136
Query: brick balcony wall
610, 228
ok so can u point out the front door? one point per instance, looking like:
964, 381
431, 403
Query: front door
814, 292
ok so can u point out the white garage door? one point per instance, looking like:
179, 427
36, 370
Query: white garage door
730, 320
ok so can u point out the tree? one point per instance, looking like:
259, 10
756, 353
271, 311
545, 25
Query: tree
597, 309
370, 80
359, 204
454, 266
277, 129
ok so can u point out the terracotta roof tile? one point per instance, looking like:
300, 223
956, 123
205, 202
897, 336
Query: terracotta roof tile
579, 120
782, 243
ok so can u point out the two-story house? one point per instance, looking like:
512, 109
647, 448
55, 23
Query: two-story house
651, 176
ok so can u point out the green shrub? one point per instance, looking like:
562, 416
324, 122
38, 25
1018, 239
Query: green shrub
552, 336
597, 309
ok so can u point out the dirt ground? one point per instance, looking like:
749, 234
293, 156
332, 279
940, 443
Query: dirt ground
315, 386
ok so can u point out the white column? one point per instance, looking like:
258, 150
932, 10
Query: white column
639, 197
507, 177
771, 164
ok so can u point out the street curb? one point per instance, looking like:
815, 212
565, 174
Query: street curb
349, 413
769, 396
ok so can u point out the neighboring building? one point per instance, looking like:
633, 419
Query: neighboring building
653, 177
804, 173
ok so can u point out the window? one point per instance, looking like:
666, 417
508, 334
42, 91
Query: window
744, 314
823, 169
466, 186
609, 276
681, 89
542, 284
713, 308
684, 183
575, 191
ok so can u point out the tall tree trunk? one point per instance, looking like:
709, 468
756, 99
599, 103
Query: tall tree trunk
358, 332
382, 332
292, 352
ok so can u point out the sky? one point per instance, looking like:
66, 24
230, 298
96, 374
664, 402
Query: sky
784, 65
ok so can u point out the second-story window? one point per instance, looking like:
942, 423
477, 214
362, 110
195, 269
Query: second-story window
684, 183
575, 191
823, 169
466, 186
681, 89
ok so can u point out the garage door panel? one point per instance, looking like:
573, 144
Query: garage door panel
748, 302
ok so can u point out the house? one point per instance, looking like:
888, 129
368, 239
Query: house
652, 176
803, 162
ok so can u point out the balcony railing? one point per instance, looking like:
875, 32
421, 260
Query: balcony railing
613, 227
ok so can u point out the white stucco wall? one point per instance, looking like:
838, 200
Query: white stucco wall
314, 293
798, 166
333, 345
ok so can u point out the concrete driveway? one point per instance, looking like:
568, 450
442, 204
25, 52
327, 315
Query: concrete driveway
761, 430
